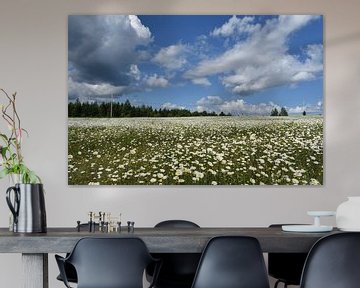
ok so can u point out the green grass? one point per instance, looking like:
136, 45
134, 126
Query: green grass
196, 151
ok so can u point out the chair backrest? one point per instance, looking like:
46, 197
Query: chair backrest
178, 269
176, 224
232, 262
333, 262
110, 262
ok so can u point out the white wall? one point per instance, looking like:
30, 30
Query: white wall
33, 62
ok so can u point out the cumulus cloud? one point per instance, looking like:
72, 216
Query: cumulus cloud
170, 106
104, 50
236, 25
141, 31
134, 72
86, 92
234, 107
156, 81
171, 57
201, 81
241, 107
209, 101
316, 108
262, 60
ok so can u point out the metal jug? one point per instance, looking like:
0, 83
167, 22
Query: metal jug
28, 208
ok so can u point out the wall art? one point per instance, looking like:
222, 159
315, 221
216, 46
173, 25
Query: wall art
195, 100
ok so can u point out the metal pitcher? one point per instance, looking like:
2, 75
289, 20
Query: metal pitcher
28, 208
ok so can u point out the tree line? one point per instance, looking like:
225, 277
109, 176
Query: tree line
118, 110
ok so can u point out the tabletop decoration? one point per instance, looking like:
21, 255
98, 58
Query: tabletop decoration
315, 227
348, 214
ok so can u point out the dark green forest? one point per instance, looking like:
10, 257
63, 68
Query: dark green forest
118, 110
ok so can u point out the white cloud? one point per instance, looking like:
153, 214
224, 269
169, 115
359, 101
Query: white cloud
290, 23
135, 72
201, 81
210, 101
142, 31
236, 25
302, 76
171, 57
241, 107
296, 110
262, 60
170, 106
314, 62
156, 81
87, 92
234, 107
308, 108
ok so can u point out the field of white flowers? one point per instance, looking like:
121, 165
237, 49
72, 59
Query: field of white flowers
196, 150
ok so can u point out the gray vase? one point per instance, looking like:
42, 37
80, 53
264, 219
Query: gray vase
28, 208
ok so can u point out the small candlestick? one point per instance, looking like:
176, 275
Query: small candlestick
78, 225
100, 219
108, 217
130, 226
90, 221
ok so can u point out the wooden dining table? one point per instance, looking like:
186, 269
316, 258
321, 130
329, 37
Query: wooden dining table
35, 247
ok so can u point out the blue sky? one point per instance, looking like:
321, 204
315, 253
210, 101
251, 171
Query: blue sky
238, 64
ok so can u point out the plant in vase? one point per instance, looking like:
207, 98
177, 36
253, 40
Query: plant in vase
11, 159
26, 198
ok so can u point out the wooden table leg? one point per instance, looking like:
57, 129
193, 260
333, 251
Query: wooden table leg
35, 270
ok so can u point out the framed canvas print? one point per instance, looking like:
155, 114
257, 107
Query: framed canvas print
195, 100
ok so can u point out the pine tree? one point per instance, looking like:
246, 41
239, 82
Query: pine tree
283, 112
274, 112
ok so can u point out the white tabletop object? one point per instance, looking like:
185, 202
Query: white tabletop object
316, 227
348, 214
306, 228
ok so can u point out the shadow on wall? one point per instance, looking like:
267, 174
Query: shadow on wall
344, 39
